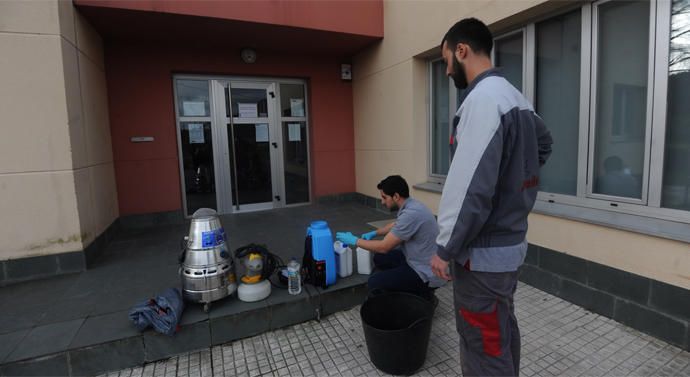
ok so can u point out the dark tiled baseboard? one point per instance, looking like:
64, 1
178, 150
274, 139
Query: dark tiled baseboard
650, 306
148, 220
342, 197
45, 266
354, 197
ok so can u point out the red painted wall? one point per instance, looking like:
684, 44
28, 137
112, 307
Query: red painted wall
363, 17
140, 97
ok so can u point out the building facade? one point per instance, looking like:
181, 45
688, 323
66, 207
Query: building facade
145, 111
148, 111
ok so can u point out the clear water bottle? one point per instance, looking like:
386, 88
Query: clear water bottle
294, 278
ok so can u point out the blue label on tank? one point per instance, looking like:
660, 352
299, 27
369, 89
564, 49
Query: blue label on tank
208, 239
220, 236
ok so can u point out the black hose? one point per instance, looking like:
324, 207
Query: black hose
272, 263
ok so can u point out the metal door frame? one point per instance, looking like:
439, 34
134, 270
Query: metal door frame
274, 139
219, 131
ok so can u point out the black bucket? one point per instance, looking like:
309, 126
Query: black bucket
396, 328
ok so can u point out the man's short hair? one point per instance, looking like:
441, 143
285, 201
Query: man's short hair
472, 32
394, 184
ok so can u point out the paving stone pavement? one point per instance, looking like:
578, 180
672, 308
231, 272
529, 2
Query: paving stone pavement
558, 339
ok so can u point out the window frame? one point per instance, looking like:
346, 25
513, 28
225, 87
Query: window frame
452, 108
527, 64
593, 79
655, 133
640, 215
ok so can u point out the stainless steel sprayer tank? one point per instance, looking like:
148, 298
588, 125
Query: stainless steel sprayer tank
206, 267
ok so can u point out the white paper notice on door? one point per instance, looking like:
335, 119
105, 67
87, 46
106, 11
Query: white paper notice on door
297, 107
247, 110
196, 133
193, 109
262, 133
294, 132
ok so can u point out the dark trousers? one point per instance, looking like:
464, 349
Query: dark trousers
393, 274
485, 320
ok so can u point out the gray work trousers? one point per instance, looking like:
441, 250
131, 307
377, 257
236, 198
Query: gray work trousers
485, 320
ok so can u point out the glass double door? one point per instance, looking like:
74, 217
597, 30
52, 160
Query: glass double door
251, 154
256, 144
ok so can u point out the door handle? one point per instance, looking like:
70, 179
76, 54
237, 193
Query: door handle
275, 145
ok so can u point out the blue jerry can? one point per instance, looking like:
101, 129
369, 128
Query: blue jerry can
322, 247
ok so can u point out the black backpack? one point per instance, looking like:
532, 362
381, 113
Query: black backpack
314, 270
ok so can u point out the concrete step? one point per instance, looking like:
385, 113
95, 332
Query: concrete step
110, 342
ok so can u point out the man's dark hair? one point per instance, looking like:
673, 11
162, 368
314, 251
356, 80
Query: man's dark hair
392, 184
472, 32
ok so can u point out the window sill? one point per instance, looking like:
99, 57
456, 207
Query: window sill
651, 226
435, 187
638, 223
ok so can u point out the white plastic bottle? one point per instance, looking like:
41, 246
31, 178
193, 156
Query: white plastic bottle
364, 261
294, 278
343, 259
348, 259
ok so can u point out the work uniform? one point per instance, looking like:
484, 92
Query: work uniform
408, 268
498, 145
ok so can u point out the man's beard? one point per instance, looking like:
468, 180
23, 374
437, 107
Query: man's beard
458, 74
394, 207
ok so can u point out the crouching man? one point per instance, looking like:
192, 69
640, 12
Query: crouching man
402, 259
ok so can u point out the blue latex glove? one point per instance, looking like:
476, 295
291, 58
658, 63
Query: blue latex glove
370, 235
346, 238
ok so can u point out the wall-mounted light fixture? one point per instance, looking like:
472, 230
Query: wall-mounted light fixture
248, 55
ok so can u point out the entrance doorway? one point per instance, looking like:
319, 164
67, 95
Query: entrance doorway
243, 143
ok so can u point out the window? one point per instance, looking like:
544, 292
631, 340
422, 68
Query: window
611, 79
676, 180
619, 98
441, 115
508, 55
558, 52
196, 144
